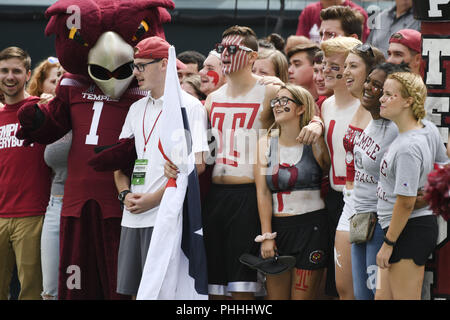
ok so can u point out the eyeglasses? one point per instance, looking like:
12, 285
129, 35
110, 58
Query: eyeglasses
123, 72
231, 48
365, 48
141, 66
282, 101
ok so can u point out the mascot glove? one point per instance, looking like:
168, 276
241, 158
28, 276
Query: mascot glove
30, 118
118, 156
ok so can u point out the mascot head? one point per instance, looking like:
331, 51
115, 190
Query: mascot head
96, 37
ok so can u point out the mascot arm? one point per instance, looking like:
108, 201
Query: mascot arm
45, 123
114, 157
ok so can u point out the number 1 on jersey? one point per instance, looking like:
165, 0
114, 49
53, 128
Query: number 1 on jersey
92, 137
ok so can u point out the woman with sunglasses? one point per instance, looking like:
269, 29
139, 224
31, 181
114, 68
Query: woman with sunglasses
43, 84
359, 61
292, 213
45, 79
337, 112
410, 234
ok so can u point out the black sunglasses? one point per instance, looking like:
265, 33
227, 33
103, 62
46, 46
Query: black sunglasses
365, 48
232, 48
120, 73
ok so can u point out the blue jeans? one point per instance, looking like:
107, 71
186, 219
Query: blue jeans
50, 247
364, 265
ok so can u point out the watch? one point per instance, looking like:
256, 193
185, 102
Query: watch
122, 195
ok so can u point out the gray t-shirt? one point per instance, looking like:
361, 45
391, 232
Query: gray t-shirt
368, 151
385, 24
403, 171
55, 157
435, 142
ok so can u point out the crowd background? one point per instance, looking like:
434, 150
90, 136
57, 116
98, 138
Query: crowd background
188, 19
26, 23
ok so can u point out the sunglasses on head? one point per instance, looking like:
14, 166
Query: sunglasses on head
120, 73
365, 48
52, 60
231, 48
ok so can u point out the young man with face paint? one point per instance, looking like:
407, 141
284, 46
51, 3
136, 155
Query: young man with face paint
24, 183
211, 75
337, 111
237, 110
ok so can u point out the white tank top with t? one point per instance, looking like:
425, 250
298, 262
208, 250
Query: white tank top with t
236, 126
336, 122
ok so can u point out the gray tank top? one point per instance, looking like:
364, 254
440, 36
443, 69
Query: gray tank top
306, 174
55, 157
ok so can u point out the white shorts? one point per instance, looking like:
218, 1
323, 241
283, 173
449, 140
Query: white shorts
347, 212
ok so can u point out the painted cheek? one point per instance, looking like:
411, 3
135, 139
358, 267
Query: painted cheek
214, 75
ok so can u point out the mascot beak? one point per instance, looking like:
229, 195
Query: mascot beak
109, 64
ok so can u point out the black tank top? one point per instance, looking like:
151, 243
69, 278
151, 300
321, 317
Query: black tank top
306, 174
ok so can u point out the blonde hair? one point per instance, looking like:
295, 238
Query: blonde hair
413, 86
339, 45
302, 97
279, 61
40, 73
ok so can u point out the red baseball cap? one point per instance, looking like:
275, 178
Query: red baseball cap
154, 48
409, 38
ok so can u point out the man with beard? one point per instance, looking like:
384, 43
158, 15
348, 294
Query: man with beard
24, 183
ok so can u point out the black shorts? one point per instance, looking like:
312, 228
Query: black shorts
306, 237
417, 240
230, 225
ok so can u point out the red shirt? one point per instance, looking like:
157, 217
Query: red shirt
95, 120
24, 177
310, 16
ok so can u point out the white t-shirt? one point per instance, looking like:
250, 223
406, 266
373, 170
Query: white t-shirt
154, 174
336, 122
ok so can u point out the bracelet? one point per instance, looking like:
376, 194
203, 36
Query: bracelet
266, 236
318, 121
388, 242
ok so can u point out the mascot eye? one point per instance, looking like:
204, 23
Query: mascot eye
123, 72
74, 34
143, 28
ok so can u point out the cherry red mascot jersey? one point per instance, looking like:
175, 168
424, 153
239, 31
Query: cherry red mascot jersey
96, 120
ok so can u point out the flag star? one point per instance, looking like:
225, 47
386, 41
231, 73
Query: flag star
199, 232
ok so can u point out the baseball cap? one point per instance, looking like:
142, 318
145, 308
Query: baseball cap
409, 38
154, 48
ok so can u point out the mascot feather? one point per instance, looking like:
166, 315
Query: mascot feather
94, 43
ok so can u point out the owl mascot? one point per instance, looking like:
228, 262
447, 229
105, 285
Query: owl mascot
94, 43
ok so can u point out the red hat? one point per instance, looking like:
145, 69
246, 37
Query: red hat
154, 48
409, 38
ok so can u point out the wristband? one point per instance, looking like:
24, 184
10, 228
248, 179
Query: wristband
388, 242
318, 121
266, 236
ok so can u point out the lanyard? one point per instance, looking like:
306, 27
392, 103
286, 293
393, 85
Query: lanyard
143, 128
